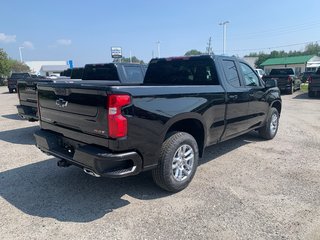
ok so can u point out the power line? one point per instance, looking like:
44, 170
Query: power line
274, 47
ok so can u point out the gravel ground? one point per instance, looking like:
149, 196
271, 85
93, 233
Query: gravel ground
245, 188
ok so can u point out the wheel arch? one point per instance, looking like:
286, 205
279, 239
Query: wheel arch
190, 123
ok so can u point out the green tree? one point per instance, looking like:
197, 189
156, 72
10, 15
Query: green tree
193, 52
16, 66
134, 59
312, 49
4, 63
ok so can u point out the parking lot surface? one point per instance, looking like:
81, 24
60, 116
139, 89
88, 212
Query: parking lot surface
245, 188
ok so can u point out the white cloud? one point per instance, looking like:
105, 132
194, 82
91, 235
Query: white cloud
65, 42
28, 45
7, 38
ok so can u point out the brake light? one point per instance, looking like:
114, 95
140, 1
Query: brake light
309, 79
117, 123
289, 79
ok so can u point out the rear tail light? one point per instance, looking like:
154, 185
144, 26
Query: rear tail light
289, 79
309, 80
117, 123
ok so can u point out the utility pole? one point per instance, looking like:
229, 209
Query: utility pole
21, 60
158, 44
209, 48
224, 24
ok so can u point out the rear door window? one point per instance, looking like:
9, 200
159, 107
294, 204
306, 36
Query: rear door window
231, 73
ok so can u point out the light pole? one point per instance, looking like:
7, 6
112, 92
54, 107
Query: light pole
158, 44
224, 24
21, 60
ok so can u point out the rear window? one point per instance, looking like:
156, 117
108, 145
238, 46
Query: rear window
134, 74
76, 73
287, 71
183, 71
20, 75
100, 72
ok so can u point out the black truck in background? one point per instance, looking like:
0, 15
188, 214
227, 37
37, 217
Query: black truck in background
286, 78
13, 80
184, 105
123, 73
314, 84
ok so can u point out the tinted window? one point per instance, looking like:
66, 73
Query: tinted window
284, 71
76, 73
182, 71
250, 78
134, 74
100, 72
19, 75
231, 73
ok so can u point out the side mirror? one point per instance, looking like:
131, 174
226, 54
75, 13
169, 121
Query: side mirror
271, 83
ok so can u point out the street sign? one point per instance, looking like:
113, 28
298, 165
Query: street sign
70, 64
116, 52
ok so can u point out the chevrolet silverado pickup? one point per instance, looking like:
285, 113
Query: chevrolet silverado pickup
314, 84
12, 81
184, 105
287, 80
123, 72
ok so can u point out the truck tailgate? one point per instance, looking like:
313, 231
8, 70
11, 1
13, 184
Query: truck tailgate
71, 107
28, 90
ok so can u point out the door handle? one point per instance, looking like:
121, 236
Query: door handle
233, 97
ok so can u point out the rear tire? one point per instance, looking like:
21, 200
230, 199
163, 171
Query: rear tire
270, 130
178, 162
10, 90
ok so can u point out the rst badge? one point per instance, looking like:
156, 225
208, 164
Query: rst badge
61, 103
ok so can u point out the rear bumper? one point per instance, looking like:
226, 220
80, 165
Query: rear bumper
89, 157
27, 112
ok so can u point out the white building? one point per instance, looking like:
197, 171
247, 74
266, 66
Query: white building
47, 68
251, 61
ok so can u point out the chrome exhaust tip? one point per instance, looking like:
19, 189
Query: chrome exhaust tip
90, 172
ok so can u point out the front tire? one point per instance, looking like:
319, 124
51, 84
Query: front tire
270, 130
178, 162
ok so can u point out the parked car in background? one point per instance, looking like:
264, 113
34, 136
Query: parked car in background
260, 72
314, 84
287, 80
305, 76
13, 79
184, 105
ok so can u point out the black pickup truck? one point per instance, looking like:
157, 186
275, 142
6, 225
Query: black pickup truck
13, 80
314, 84
287, 80
123, 73
184, 105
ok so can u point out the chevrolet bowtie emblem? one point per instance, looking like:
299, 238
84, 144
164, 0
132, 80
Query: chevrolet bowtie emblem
61, 103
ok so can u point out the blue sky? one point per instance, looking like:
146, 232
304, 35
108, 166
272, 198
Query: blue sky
85, 30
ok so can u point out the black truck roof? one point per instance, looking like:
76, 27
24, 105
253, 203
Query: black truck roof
122, 72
